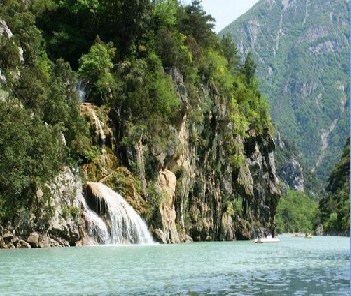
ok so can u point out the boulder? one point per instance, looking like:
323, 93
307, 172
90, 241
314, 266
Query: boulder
33, 240
21, 244
7, 238
159, 236
43, 241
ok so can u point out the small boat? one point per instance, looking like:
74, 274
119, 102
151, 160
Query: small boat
268, 239
308, 236
297, 235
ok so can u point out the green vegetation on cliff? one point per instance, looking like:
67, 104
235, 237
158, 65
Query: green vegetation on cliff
335, 206
40, 125
159, 86
296, 212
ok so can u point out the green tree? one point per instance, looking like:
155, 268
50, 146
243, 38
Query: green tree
62, 107
125, 23
230, 52
164, 13
249, 68
31, 154
147, 91
95, 69
194, 21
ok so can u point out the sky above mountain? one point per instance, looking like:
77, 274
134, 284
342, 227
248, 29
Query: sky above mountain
226, 11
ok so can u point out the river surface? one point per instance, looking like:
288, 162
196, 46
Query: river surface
294, 266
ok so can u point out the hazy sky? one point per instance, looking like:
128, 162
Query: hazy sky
226, 11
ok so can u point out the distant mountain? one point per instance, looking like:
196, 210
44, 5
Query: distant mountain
301, 48
292, 171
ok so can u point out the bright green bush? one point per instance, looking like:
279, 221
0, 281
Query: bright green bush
296, 213
95, 69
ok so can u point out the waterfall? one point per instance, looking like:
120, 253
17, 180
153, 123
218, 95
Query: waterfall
81, 91
95, 228
99, 128
114, 220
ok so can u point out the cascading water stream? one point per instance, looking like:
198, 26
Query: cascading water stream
96, 231
99, 128
81, 91
119, 225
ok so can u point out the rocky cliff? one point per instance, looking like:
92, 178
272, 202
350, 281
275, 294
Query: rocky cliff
54, 225
203, 196
292, 172
187, 190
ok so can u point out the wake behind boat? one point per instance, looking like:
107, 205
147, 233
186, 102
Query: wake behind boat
268, 239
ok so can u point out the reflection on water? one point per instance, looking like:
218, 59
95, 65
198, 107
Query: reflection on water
295, 266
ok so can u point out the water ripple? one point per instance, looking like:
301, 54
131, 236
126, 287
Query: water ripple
292, 267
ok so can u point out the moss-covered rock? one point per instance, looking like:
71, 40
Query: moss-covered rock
122, 181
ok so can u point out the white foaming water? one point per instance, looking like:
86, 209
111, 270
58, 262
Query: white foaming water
81, 91
95, 228
127, 227
99, 128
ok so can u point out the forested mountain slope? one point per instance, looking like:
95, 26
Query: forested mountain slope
302, 53
335, 206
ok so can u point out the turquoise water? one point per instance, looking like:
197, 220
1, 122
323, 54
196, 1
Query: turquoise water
295, 266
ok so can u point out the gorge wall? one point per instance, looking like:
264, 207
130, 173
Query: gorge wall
186, 185
187, 189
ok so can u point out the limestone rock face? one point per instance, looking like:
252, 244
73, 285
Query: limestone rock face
4, 29
60, 228
204, 197
7, 33
185, 184
292, 173
168, 233
319, 230
95, 199
227, 233
33, 239
64, 225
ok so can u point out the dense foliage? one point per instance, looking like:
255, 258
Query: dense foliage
126, 55
302, 53
296, 212
335, 206
40, 126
